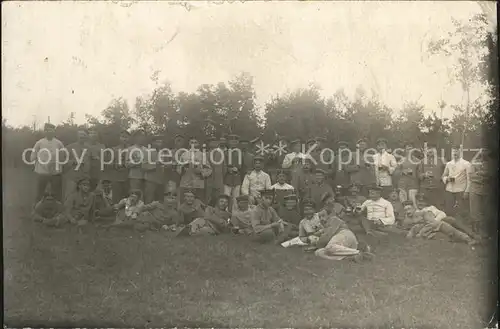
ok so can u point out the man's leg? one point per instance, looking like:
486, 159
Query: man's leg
42, 181
135, 184
454, 234
56, 186
265, 236
149, 192
476, 213
449, 202
460, 225
412, 196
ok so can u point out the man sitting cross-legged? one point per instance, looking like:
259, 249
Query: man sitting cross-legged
267, 225
166, 213
49, 211
290, 213
379, 214
427, 222
215, 220
241, 216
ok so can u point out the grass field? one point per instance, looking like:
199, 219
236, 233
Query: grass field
98, 278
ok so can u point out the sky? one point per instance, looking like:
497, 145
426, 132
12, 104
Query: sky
63, 57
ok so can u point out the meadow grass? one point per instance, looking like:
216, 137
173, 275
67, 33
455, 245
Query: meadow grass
117, 278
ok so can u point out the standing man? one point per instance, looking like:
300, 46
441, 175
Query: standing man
362, 171
118, 171
247, 155
194, 169
153, 172
430, 173
79, 162
324, 159
409, 171
232, 173
456, 178
95, 150
481, 176
215, 182
293, 161
46, 168
255, 181
385, 164
137, 156
172, 175
342, 177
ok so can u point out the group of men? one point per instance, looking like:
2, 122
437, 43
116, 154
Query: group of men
307, 173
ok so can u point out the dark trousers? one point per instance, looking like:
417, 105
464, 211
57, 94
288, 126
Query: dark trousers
120, 190
454, 204
55, 182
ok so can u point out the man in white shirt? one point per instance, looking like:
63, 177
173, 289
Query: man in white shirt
255, 181
379, 212
44, 157
456, 177
385, 164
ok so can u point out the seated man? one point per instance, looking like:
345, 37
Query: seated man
49, 211
79, 204
320, 189
241, 217
281, 189
352, 202
191, 208
266, 224
215, 220
379, 213
425, 224
290, 213
103, 203
131, 213
397, 205
166, 213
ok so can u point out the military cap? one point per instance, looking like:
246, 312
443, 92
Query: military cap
242, 198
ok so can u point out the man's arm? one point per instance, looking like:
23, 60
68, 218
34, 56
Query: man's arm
393, 164
389, 218
287, 161
446, 172
267, 182
245, 186
34, 153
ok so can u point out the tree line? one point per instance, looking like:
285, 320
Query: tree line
224, 108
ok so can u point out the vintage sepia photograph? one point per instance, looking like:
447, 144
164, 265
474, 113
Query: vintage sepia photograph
250, 164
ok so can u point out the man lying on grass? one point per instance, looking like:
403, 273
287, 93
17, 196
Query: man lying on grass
326, 234
427, 221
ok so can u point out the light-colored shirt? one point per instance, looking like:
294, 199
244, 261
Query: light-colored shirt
44, 153
459, 170
255, 181
384, 177
438, 214
380, 209
310, 226
284, 186
288, 160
